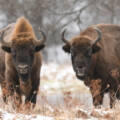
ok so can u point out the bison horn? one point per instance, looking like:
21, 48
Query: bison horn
3, 43
2, 32
43, 39
99, 35
63, 38
2, 37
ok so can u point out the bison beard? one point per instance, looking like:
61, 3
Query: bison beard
97, 61
21, 62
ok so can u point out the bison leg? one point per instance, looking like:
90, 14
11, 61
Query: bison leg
3, 87
97, 94
112, 98
13, 89
4, 91
31, 98
14, 96
97, 100
9, 93
17, 97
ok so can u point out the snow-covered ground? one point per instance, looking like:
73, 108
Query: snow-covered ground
60, 78
4, 115
61, 97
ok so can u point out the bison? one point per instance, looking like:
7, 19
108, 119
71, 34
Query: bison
20, 62
95, 56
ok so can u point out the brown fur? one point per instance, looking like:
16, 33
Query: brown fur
103, 62
22, 34
23, 26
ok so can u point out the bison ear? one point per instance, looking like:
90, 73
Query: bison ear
39, 47
66, 48
95, 49
6, 49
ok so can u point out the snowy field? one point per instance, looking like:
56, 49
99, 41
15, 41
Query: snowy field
61, 97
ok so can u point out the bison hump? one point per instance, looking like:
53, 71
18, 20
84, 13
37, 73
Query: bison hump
22, 25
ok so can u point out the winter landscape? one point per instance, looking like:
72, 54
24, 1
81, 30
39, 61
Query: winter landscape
61, 95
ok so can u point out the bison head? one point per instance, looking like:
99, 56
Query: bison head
23, 48
81, 49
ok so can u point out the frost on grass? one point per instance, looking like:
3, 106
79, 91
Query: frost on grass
61, 97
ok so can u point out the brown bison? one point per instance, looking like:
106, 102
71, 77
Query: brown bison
95, 55
20, 61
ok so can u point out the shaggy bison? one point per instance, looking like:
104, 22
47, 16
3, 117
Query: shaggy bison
95, 55
20, 61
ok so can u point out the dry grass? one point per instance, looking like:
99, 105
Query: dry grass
70, 110
116, 110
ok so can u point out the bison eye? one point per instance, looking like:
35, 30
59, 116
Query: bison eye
13, 53
88, 53
32, 53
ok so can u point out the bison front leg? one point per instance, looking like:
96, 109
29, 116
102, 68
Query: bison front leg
114, 94
112, 98
14, 96
4, 91
12, 85
31, 98
97, 94
17, 97
3, 87
97, 100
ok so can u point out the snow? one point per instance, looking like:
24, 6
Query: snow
16, 116
60, 77
103, 112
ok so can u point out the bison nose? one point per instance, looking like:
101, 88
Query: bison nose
22, 66
23, 69
80, 69
80, 66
